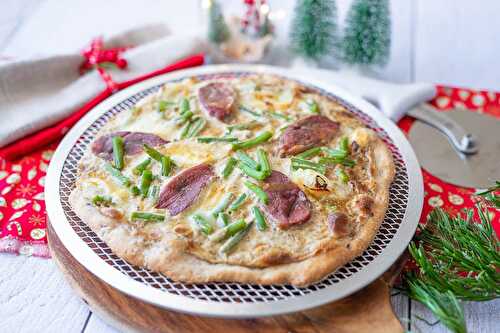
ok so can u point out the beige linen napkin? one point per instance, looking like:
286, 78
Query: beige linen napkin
36, 93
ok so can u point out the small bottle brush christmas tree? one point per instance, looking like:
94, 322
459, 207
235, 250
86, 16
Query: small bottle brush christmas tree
218, 30
314, 29
367, 36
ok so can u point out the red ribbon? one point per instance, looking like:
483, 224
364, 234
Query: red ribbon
252, 14
96, 56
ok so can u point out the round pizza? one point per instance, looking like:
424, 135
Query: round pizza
251, 179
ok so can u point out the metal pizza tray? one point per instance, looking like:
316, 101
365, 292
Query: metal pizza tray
233, 300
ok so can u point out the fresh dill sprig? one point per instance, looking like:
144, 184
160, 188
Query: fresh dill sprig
458, 259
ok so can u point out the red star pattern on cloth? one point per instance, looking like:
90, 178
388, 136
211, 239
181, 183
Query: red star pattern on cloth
22, 206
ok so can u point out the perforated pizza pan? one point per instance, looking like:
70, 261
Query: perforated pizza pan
232, 300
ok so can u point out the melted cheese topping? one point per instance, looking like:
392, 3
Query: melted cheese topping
279, 103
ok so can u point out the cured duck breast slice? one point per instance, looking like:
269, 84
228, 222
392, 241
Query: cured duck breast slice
185, 188
307, 133
132, 141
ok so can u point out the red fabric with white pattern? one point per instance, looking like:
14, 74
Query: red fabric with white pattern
23, 219
22, 207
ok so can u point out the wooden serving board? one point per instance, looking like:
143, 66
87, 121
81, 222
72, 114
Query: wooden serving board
368, 310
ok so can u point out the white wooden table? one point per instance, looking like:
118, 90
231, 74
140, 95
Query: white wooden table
449, 42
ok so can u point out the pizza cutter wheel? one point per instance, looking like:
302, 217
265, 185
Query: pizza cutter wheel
459, 146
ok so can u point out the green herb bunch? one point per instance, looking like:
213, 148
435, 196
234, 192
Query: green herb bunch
458, 259
490, 196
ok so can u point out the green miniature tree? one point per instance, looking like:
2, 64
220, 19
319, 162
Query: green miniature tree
218, 30
314, 28
367, 35
266, 28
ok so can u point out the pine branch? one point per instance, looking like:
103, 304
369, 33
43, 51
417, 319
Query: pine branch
445, 306
490, 196
458, 259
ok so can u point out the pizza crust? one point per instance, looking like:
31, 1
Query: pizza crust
167, 253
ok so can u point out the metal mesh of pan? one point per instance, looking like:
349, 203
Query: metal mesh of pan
232, 292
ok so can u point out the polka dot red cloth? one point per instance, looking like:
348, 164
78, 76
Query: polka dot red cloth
22, 208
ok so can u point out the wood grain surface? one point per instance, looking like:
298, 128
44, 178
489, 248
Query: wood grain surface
368, 310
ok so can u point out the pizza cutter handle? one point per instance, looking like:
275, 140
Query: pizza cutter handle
461, 140
394, 100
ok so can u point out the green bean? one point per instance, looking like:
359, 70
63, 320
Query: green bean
280, 115
186, 116
231, 243
264, 164
247, 160
309, 153
153, 153
196, 127
101, 200
253, 173
259, 218
226, 200
349, 163
344, 178
238, 203
139, 169
283, 128
228, 169
153, 192
262, 137
253, 113
185, 130
222, 219
203, 224
331, 160
336, 153
135, 191
248, 125
149, 217
184, 105
313, 106
207, 139
118, 152
298, 163
258, 191
344, 144
166, 165
228, 231
117, 174
146, 179
163, 105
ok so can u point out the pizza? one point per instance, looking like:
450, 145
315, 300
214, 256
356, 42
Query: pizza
251, 179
